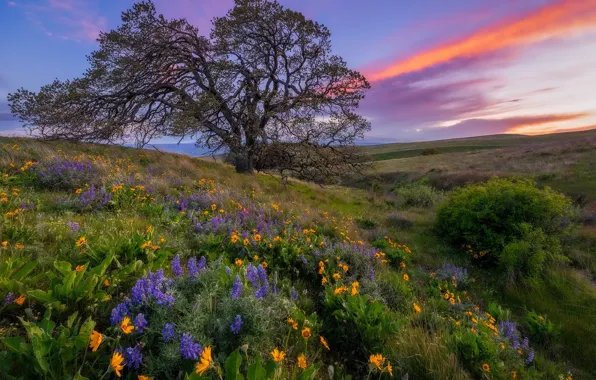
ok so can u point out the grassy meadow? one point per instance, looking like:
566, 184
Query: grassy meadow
119, 262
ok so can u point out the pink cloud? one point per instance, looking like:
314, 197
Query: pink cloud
559, 19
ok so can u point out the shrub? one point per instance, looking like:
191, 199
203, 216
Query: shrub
431, 151
417, 195
540, 329
64, 174
366, 224
507, 222
399, 222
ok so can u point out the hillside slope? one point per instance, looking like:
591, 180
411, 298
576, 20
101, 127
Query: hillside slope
123, 262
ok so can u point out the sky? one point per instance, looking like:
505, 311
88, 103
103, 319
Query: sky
438, 68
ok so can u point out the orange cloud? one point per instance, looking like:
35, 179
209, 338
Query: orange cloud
561, 18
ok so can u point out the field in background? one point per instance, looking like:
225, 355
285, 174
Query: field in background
564, 161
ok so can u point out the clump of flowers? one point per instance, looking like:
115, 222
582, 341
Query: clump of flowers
64, 174
453, 273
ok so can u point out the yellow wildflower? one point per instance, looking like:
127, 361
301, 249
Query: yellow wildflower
95, 340
234, 238
206, 361
19, 246
116, 363
4, 243
278, 355
306, 332
238, 262
82, 241
417, 308
302, 361
79, 268
324, 342
486, 367
21, 300
377, 360
257, 237
125, 326
246, 242
293, 323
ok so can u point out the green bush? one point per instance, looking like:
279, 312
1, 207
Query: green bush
540, 329
508, 223
431, 151
417, 195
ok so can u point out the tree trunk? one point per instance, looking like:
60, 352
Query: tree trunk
244, 164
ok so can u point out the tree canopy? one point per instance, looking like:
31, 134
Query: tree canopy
264, 77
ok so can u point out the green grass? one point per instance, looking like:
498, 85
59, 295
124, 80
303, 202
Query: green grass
427, 345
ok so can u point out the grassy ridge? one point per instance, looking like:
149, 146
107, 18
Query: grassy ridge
425, 335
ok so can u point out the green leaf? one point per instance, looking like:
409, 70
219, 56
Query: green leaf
308, 373
82, 339
40, 295
63, 267
14, 344
24, 271
256, 370
233, 363
71, 319
270, 368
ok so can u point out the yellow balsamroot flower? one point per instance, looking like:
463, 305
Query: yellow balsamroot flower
213, 207
486, 367
106, 282
206, 361
19, 246
340, 290
141, 377
238, 262
293, 323
278, 355
234, 238
336, 276
389, 368
302, 361
257, 237
95, 340
324, 280
277, 239
324, 342
306, 332
264, 265
4, 243
148, 229
125, 326
321, 267
406, 277
377, 360
21, 300
82, 241
245, 242
417, 308
355, 286
79, 268
116, 363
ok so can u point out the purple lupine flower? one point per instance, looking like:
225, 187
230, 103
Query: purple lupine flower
450, 271
236, 325
188, 348
10, 297
525, 343
74, 226
176, 267
134, 357
236, 288
168, 333
202, 263
262, 292
228, 270
293, 294
371, 274
530, 357
118, 313
193, 268
140, 323
154, 286
304, 260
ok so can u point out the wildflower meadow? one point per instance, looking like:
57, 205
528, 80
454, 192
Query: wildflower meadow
122, 263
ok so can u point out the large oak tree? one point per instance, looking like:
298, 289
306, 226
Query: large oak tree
265, 77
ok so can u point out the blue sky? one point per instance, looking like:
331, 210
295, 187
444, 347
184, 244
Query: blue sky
438, 68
